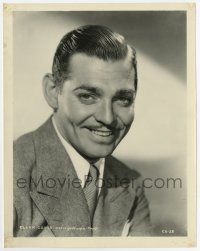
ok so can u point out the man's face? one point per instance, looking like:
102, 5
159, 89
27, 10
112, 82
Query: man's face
96, 105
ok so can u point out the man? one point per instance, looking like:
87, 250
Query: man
66, 183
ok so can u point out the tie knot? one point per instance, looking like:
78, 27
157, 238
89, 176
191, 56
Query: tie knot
94, 171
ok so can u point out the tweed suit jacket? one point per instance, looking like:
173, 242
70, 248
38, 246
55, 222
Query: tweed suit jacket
49, 202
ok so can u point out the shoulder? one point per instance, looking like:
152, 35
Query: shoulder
23, 148
124, 176
120, 169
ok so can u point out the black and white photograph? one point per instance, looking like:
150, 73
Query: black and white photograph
103, 127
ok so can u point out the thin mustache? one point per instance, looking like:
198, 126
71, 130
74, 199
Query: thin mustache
100, 128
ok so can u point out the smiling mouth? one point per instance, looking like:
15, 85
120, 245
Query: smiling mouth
101, 133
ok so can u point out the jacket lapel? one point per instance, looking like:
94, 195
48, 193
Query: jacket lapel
55, 188
115, 201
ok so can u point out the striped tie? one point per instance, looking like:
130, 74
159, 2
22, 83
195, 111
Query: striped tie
91, 189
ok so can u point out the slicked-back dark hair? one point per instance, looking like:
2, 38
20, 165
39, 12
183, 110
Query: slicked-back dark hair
93, 40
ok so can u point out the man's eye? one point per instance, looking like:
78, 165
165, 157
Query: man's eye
87, 98
125, 101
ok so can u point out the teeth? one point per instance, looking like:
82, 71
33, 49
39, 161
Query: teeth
101, 133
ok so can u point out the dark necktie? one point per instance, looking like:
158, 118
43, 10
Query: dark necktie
91, 189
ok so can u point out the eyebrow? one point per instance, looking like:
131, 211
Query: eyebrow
98, 91
89, 89
125, 92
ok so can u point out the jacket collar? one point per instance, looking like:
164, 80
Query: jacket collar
64, 204
116, 199
58, 195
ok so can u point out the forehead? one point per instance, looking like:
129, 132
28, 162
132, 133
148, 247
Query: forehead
91, 69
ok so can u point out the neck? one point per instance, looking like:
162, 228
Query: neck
87, 158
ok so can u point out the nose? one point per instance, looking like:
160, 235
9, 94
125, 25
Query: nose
105, 114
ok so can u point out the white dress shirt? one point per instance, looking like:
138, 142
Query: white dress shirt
80, 164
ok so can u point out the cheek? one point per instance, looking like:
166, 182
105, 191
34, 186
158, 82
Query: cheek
126, 116
73, 110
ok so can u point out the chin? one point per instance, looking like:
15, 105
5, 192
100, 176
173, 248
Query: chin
97, 153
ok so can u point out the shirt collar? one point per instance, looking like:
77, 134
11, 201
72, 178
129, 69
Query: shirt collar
77, 160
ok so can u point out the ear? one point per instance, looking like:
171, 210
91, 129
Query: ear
50, 91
